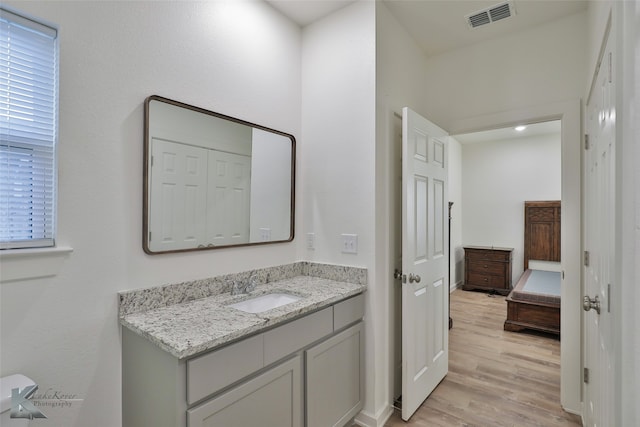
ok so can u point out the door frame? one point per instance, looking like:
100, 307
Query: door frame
570, 114
628, 167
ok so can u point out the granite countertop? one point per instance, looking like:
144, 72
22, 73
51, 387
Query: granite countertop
200, 325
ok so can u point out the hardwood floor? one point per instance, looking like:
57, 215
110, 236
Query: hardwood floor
496, 378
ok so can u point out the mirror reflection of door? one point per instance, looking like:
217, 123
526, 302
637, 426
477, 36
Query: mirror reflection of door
228, 197
178, 194
214, 181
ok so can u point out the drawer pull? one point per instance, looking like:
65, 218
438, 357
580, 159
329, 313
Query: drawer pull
486, 279
486, 266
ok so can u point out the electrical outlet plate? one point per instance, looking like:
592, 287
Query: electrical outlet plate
311, 240
350, 243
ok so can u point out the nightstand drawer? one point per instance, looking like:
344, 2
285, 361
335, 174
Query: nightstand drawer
488, 255
486, 280
487, 267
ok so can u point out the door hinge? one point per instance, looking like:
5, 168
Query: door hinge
151, 161
586, 141
585, 375
586, 258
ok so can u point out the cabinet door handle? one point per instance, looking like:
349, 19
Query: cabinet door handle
486, 266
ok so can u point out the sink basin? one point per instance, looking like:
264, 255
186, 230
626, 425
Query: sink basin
265, 302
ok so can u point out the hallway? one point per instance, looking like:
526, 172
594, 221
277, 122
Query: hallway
496, 378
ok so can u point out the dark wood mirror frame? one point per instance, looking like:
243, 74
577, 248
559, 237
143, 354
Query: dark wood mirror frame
147, 177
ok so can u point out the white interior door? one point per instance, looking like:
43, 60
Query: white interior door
425, 294
599, 241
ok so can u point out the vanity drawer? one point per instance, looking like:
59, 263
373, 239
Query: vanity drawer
348, 311
293, 336
216, 370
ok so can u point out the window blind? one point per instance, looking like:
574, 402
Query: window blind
28, 131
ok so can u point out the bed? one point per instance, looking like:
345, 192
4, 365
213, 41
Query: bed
534, 302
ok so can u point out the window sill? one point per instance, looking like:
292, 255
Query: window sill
23, 264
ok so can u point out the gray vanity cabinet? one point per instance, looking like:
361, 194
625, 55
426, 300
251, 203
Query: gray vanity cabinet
273, 398
265, 380
334, 379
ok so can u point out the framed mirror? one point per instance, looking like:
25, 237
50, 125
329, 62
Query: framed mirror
212, 181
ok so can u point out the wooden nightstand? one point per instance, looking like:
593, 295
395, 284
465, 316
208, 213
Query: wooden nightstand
487, 268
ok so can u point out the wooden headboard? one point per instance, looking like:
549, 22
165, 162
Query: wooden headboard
541, 231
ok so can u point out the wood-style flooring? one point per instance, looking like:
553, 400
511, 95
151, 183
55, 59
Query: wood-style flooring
496, 378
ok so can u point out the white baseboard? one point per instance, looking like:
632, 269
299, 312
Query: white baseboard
378, 420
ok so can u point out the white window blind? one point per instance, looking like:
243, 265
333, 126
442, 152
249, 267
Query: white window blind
28, 131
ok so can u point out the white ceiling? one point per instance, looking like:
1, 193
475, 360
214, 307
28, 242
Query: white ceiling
536, 129
304, 12
439, 25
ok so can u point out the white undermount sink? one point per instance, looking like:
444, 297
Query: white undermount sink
265, 302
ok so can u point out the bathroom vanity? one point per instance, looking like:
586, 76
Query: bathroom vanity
203, 363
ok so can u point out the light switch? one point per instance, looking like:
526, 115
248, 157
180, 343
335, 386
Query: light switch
350, 243
311, 240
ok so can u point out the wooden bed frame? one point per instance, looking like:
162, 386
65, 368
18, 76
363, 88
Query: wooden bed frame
526, 310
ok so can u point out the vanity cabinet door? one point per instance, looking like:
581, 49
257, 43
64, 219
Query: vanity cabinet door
334, 379
274, 398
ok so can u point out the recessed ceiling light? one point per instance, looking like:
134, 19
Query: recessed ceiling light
520, 128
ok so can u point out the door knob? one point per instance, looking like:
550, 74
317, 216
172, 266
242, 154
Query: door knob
591, 303
414, 278
397, 274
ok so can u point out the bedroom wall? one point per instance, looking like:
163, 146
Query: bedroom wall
497, 177
455, 195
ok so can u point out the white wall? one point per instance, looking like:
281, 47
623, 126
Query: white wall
337, 144
336, 155
497, 177
456, 272
239, 58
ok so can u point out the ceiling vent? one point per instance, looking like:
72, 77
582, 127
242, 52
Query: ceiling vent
491, 14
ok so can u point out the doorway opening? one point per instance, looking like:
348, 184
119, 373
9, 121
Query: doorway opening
567, 117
